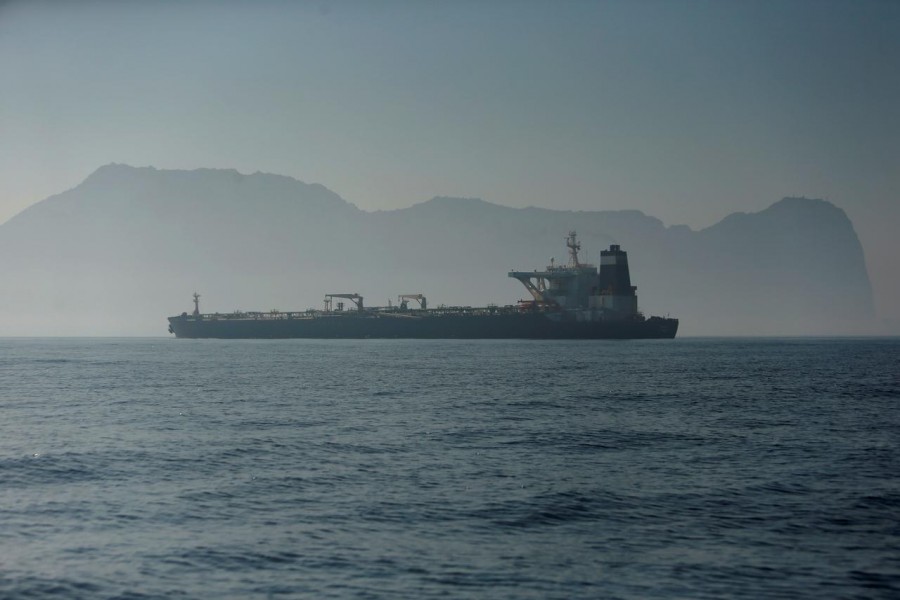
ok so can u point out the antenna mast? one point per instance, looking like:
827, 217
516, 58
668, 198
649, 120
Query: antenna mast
196, 304
574, 247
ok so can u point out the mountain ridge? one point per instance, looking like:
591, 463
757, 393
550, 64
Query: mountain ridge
102, 175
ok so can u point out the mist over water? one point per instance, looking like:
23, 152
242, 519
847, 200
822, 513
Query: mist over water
415, 469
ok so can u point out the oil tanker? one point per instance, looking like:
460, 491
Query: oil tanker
571, 301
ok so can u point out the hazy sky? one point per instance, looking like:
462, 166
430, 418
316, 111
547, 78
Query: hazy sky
686, 110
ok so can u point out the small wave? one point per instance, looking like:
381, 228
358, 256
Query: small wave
876, 581
52, 361
783, 487
41, 587
234, 558
554, 509
887, 500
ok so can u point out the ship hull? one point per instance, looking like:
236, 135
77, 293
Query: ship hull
452, 326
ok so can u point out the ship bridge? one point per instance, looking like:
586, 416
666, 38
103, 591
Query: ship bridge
606, 293
567, 286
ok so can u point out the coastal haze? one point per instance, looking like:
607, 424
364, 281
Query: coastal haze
126, 248
687, 112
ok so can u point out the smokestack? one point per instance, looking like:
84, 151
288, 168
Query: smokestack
614, 277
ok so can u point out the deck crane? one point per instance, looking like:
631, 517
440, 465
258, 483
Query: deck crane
404, 298
356, 298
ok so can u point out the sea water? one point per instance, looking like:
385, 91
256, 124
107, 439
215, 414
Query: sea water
687, 468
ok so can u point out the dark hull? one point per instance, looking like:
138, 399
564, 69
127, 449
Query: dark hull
354, 326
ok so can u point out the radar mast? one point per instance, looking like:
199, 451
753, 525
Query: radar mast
574, 247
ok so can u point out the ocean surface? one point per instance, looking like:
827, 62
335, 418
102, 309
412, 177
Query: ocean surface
687, 468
